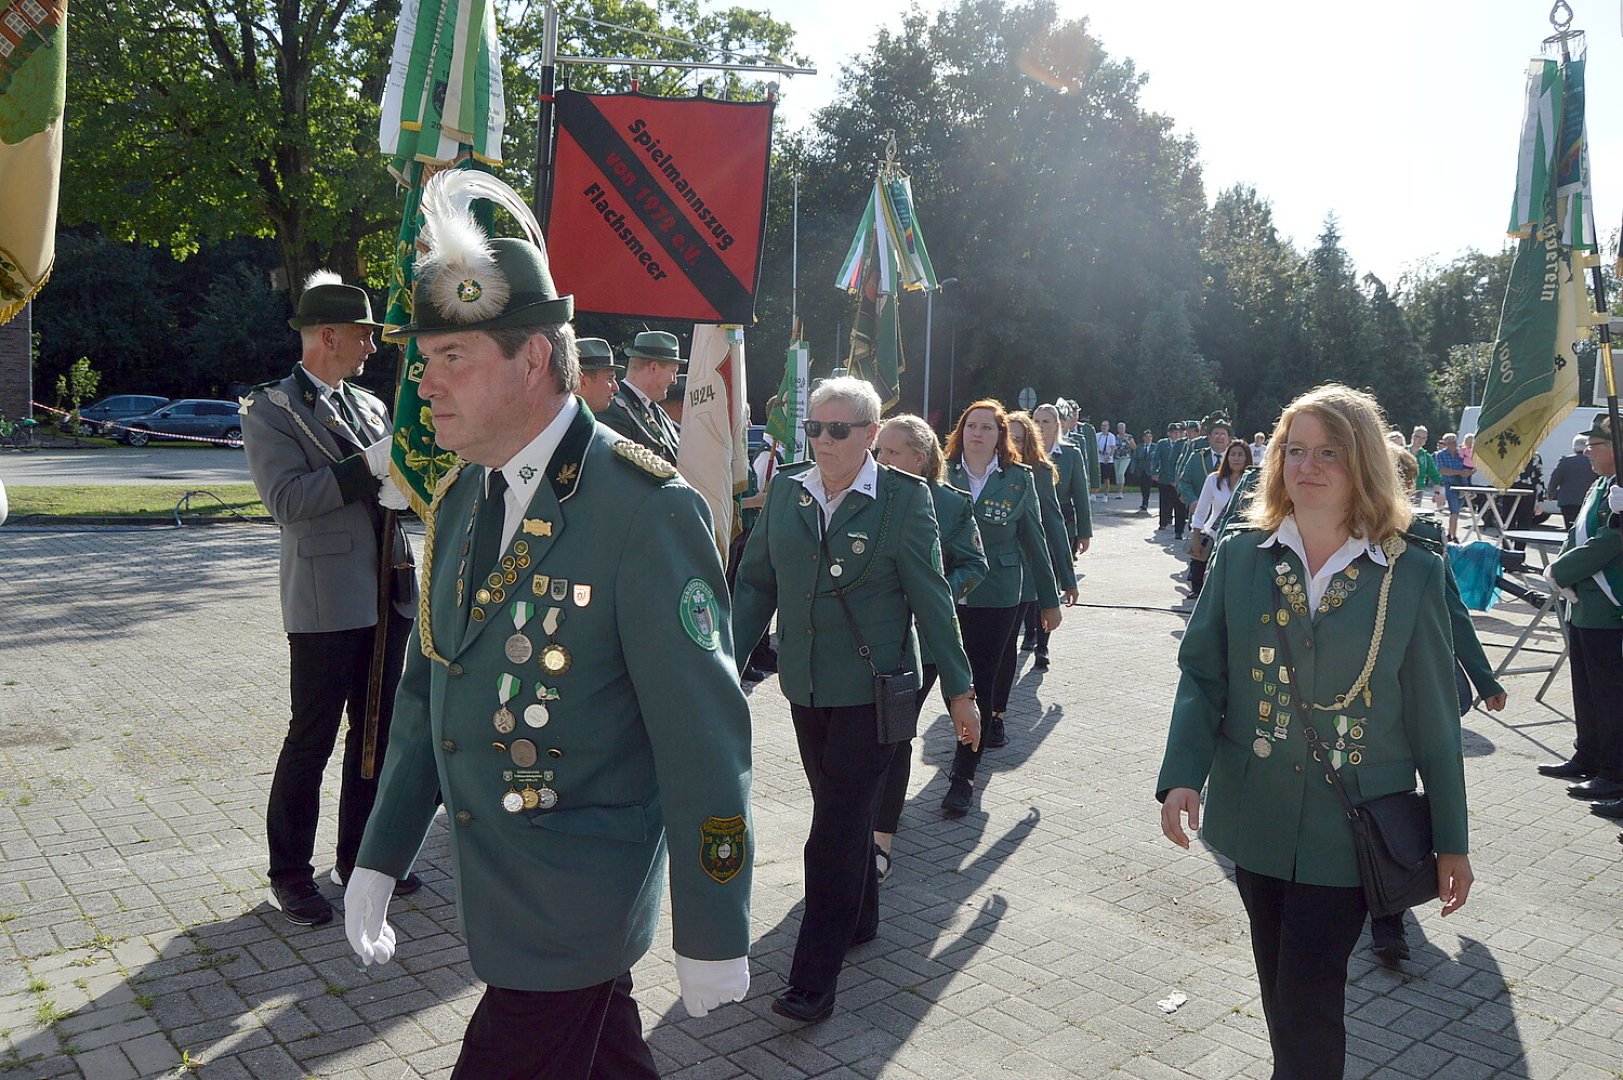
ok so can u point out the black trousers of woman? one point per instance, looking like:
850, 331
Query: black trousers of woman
987, 632
1197, 576
893, 794
846, 765
1032, 619
1301, 938
1009, 660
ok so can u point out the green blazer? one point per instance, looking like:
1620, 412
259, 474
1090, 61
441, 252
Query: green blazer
889, 555
1011, 527
1086, 440
644, 741
962, 556
1168, 452
1602, 553
1192, 474
1073, 491
1269, 807
1057, 540
1428, 531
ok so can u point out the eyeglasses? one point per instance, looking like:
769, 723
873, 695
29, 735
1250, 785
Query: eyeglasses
837, 429
1324, 457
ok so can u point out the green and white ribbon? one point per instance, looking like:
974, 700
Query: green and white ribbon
522, 610
507, 687
553, 617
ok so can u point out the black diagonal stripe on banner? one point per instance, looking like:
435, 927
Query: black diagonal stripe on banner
597, 137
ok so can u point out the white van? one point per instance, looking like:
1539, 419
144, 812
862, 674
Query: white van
1552, 449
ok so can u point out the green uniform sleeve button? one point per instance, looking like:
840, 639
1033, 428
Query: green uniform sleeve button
463, 817
448, 746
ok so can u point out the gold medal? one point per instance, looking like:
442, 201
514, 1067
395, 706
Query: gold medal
555, 659
509, 577
1283, 616
521, 547
509, 562
532, 798
482, 595
512, 802
504, 720
498, 595
478, 614
494, 579
1262, 748
518, 649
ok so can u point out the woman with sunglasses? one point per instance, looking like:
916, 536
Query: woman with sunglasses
909, 444
982, 460
845, 551
1028, 441
1321, 642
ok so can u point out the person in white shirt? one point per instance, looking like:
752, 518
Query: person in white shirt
1214, 499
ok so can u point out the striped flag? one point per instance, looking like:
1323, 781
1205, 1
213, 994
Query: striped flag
887, 256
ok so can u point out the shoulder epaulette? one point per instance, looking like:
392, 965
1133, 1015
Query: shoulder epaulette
900, 473
635, 453
1423, 538
445, 483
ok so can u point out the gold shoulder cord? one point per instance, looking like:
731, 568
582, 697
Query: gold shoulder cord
1393, 546
425, 626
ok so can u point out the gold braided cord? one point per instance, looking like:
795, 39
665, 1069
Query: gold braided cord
1393, 548
425, 625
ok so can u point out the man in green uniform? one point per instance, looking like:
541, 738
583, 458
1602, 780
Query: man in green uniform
1167, 454
599, 374
569, 689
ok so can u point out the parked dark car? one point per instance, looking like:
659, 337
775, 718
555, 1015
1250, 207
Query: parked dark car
188, 418
100, 418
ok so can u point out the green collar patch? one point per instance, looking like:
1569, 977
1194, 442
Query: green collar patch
565, 467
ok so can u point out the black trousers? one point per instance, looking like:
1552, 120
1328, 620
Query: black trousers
1173, 509
987, 632
1144, 485
1197, 575
1301, 937
1009, 660
1597, 688
593, 1033
846, 766
327, 673
893, 793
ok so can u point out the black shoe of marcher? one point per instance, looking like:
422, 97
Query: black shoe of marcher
1612, 808
301, 902
1028, 644
1565, 770
752, 674
1596, 789
863, 937
1390, 947
804, 1005
994, 737
960, 796
1041, 661
402, 887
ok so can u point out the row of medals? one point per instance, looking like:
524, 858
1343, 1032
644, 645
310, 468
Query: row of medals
1290, 583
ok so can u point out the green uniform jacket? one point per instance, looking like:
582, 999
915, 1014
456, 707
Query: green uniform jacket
1167, 453
645, 745
1012, 531
962, 556
1057, 541
1192, 475
1086, 440
1239, 500
642, 423
1277, 814
1467, 646
1073, 491
1189, 447
1576, 566
889, 555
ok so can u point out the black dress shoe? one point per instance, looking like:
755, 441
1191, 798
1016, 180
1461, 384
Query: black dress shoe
1565, 770
960, 796
804, 1005
301, 902
995, 738
1041, 661
1027, 645
1596, 789
1611, 809
752, 674
1386, 940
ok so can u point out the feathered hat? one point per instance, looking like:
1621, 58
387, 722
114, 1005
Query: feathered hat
467, 281
327, 301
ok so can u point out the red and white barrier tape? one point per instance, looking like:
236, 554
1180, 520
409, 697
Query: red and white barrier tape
107, 424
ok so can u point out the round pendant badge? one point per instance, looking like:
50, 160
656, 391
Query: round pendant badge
547, 798
512, 802
1262, 748
836, 570
524, 753
536, 715
504, 720
532, 798
518, 649
555, 659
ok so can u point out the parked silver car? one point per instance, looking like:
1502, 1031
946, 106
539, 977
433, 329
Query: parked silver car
188, 418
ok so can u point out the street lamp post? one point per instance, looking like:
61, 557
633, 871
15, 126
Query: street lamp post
929, 328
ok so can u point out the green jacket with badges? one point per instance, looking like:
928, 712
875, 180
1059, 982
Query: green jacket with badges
1073, 491
1238, 718
887, 555
962, 558
1058, 541
1599, 552
631, 737
1011, 527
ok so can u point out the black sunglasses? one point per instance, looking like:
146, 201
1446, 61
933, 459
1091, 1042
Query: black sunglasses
837, 429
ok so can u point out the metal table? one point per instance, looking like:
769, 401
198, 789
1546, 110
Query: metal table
1473, 523
1545, 542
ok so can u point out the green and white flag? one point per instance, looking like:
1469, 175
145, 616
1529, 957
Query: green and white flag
443, 97
787, 409
887, 257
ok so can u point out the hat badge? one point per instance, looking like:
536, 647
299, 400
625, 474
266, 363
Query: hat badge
469, 290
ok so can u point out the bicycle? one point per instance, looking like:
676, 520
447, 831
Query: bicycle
19, 434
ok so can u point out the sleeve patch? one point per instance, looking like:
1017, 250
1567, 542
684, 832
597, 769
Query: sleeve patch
723, 843
700, 614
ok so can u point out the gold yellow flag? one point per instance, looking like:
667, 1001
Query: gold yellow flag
33, 85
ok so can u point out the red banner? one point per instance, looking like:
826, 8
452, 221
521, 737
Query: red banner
659, 205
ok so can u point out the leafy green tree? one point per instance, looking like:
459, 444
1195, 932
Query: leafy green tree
1338, 340
1173, 382
1457, 303
1401, 378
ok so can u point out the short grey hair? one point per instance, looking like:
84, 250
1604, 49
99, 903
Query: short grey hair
565, 355
857, 393
1580, 443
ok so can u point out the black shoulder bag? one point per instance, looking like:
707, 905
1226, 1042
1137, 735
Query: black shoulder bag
895, 704
1391, 834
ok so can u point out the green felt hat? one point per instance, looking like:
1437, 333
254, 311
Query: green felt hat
1601, 428
513, 289
656, 345
333, 303
597, 355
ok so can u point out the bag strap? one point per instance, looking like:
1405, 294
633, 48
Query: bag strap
839, 594
1309, 732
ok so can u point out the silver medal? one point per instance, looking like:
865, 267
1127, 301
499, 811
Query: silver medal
536, 715
518, 649
504, 720
836, 570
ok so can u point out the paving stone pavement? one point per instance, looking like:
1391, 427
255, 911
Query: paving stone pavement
143, 697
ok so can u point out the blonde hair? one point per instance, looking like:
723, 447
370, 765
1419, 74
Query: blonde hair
1028, 439
921, 439
1378, 508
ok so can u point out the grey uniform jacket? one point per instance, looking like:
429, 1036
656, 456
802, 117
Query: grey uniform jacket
313, 478
646, 424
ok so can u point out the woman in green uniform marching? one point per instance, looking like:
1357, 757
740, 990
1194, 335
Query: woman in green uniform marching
982, 460
908, 443
1320, 642
1028, 442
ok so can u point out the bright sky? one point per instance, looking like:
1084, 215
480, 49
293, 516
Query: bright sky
1400, 116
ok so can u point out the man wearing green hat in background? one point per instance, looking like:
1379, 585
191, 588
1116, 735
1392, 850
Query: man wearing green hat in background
599, 374
570, 688
652, 363
1168, 456
318, 449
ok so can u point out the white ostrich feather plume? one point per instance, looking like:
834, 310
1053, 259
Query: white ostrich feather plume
321, 277
464, 282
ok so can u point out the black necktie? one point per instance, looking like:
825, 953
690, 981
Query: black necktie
347, 415
487, 527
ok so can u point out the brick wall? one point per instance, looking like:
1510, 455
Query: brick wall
15, 363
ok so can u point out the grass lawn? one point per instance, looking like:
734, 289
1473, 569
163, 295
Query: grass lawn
156, 501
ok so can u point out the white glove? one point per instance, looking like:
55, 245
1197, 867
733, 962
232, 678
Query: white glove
707, 984
390, 497
1614, 498
1549, 579
366, 903
377, 457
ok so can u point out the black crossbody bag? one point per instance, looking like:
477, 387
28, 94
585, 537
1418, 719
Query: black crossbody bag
896, 714
1391, 835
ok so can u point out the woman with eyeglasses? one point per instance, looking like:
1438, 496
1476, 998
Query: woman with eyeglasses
909, 444
983, 461
845, 552
1028, 441
1321, 641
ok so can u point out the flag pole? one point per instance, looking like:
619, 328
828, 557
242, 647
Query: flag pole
543, 121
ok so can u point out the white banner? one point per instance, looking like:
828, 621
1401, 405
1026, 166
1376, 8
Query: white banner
714, 451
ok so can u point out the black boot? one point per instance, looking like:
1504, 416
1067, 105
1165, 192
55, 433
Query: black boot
994, 737
960, 797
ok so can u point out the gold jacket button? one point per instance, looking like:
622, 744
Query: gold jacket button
1296, 768
463, 817
448, 746
455, 670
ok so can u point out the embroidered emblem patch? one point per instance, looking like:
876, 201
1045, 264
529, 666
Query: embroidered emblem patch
700, 614
468, 290
722, 847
